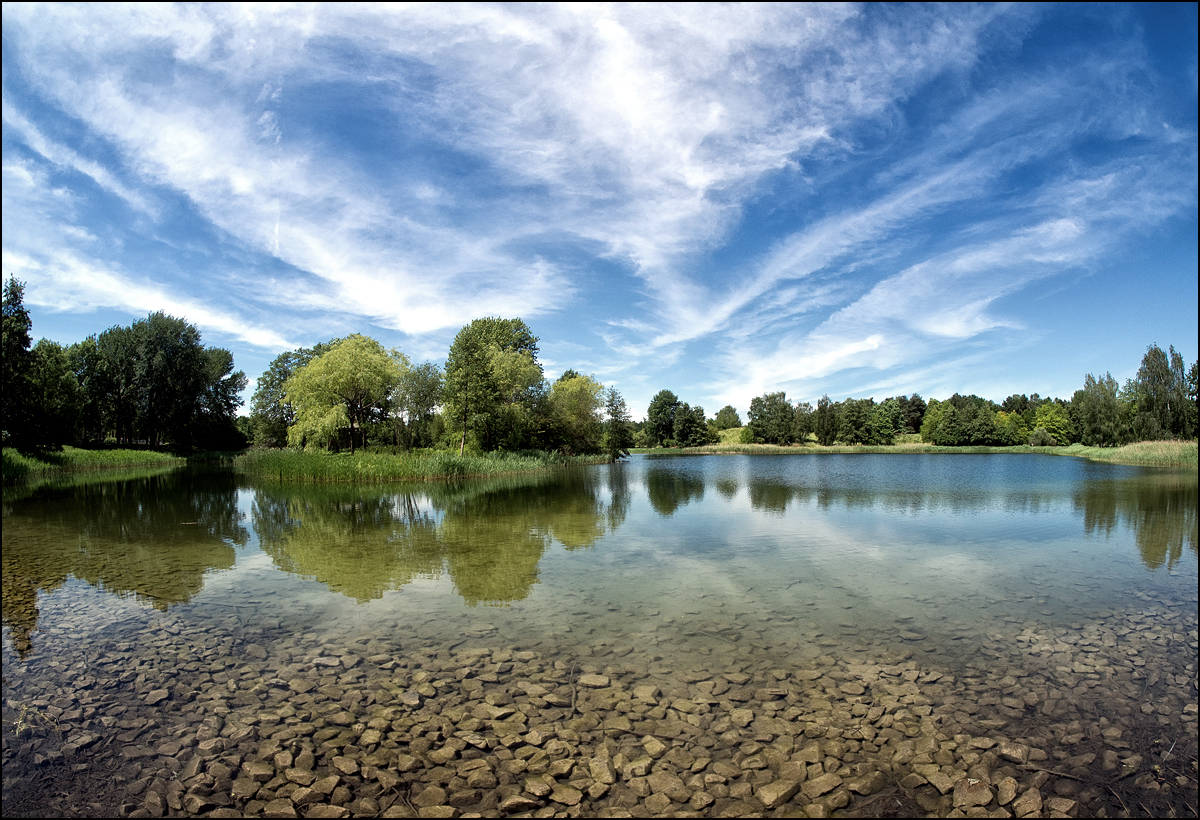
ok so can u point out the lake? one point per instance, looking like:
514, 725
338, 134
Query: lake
874, 635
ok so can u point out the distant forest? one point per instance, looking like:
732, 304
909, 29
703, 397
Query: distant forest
154, 383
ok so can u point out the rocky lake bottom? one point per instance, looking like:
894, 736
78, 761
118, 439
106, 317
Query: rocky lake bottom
225, 714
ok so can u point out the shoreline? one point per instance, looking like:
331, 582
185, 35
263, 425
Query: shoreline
1177, 454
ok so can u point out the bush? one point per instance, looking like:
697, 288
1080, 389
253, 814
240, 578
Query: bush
1042, 438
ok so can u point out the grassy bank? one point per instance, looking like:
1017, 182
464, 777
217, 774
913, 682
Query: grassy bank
1149, 453
419, 465
18, 466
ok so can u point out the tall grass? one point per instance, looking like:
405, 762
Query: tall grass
18, 466
299, 465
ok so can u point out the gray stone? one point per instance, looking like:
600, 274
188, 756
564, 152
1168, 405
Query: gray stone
821, 785
971, 792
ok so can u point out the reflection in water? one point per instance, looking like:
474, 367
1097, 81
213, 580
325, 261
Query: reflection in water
1159, 508
153, 538
670, 489
488, 536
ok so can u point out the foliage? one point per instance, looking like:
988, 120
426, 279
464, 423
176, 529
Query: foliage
660, 418
727, 418
1053, 418
340, 389
825, 424
1042, 438
17, 361
19, 465
270, 412
855, 421
618, 436
415, 401
690, 428
1102, 419
576, 403
803, 422
1164, 406
772, 419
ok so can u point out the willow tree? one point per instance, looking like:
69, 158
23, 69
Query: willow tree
340, 389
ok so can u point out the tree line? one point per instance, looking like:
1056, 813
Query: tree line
493, 395
1160, 402
152, 383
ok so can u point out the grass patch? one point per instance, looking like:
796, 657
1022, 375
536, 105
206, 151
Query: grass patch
416, 465
18, 466
1148, 453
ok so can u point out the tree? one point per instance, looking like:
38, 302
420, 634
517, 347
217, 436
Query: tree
117, 347
1102, 421
470, 391
772, 418
886, 422
55, 395
660, 418
1162, 397
826, 422
576, 403
340, 389
856, 416
690, 429
618, 437
17, 361
803, 422
728, 418
215, 425
417, 396
913, 413
1053, 418
270, 413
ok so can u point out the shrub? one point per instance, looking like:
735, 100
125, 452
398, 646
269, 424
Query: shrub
1042, 438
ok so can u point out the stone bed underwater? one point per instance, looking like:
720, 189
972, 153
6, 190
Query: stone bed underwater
812, 636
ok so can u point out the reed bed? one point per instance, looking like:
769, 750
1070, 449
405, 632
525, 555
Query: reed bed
417, 465
18, 466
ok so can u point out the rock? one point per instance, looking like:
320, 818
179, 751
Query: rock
821, 785
852, 688
326, 785
154, 804
518, 803
327, 811
777, 793
867, 784
244, 788
971, 792
1028, 804
653, 746
157, 696
670, 785
280, 807
602, 771
1014, 752
345, 765
741, 717
438, 811
941, 781
567, 795
432, 796
593, 681
1006, 790
406, 763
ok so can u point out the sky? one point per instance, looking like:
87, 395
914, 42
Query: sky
722, 201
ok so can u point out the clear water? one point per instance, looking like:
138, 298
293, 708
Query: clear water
776, 549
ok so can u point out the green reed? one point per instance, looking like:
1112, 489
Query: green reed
18, 466
419, 465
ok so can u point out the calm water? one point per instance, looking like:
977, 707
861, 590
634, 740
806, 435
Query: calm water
665, 563
937, 545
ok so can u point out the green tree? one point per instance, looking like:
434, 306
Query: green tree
803, 422
416, 398
618, 435
913, 413
17, 361
1162, 397
87, 364
271, 415
118, 351
931, 420
886, 422
660, 418
825, 423
1011, 429
772, 418
690, 429
55, 395
1053, 418
728, 418
1102, 419
168, 376
340, 389
576, 403
471, 392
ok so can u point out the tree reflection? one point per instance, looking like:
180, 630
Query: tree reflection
488, 536
669, 489
1159, 507
153, 537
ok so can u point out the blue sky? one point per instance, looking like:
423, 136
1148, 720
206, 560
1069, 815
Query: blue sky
722, 201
